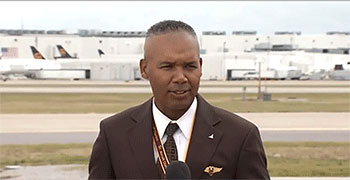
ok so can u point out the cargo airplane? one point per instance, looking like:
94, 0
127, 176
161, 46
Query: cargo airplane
64, 54
9, 68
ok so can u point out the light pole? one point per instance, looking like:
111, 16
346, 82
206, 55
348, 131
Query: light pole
223, 61
259, 82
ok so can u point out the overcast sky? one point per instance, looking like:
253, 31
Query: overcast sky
262, 16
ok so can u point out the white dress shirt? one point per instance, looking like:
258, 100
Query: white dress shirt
182, 135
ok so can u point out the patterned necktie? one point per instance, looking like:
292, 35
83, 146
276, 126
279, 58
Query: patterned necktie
169, 145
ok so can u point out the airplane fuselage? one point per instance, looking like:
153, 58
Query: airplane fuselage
26, 66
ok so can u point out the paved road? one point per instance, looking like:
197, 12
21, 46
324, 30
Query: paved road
27, 123
60, 86
43, 138
293, 136
80, 172
203, 82
63, 128
89, 137
148, 90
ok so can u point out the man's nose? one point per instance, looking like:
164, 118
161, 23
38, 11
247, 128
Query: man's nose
179, 76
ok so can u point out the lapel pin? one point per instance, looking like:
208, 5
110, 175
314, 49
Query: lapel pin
211, 136
211, 170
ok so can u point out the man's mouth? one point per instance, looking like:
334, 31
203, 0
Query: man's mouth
180, 91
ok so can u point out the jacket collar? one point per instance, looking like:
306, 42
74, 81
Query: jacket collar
140, 138
205, 138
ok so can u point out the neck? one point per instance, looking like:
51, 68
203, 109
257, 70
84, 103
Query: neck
173, 114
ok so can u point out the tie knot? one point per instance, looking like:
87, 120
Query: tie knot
171, 129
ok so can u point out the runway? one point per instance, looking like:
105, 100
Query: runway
89, 122
148, 90
61, 86
89, 137
83, 128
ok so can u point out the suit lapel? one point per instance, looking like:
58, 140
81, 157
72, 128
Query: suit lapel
202, 147
140, 138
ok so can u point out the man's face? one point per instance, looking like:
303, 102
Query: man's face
173, 67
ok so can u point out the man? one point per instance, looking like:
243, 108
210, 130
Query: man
213, 142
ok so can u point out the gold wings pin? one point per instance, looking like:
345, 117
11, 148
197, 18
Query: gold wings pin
211, 170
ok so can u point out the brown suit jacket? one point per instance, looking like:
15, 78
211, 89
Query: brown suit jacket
124, 148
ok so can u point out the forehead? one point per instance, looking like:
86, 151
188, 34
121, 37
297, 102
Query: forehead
179, 44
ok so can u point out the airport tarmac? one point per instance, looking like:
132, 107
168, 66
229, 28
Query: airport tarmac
203, 82
89, 122
90, 137
80, 172
61, 86
62, 128
148, 90
68, 128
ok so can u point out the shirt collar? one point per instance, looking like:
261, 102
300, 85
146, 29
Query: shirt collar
185, 121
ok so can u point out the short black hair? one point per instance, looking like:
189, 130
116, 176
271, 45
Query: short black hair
166, 26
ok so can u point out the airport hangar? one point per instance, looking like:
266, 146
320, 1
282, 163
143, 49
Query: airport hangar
225, 56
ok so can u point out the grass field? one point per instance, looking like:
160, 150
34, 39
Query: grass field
284, 159
308, 158
110, 103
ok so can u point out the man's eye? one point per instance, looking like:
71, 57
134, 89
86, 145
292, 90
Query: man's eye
165, 66
191, 66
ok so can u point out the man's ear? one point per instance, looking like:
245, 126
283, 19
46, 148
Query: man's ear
143, 66
201, 62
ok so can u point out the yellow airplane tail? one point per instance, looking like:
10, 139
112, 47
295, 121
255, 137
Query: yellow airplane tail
36, 53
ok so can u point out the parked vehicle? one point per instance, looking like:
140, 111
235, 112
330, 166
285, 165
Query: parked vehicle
251, 75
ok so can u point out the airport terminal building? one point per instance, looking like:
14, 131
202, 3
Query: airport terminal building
114, 55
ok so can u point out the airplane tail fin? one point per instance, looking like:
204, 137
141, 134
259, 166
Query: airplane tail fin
36, 53
63, 52
100, 52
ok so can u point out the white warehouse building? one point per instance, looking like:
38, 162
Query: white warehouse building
224, 56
